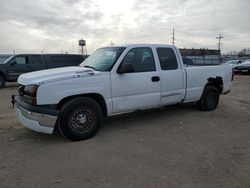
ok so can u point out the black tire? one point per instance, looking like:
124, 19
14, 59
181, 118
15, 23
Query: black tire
2, 81
80, 119
209, 99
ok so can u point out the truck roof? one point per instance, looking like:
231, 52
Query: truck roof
47, 54
142, 45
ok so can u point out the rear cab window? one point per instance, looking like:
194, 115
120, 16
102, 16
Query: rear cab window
167, 58
63, 60
36, 59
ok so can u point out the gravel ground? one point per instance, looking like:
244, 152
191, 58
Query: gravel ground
175, 146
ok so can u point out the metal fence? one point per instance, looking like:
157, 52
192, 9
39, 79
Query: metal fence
217, 60
205, 60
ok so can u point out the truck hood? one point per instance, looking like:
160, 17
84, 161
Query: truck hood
56, 74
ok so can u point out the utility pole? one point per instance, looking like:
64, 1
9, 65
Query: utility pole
219, 44
173, 37
219, 38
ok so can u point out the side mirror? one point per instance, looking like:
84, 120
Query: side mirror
126, 68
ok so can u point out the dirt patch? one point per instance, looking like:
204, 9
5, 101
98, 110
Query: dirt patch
176, 146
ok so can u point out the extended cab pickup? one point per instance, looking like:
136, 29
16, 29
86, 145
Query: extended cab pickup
115, 80
16, 65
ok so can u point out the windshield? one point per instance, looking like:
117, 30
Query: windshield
103, 59
5, 60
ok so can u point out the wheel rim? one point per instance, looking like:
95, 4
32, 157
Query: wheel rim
212, 99
82, 120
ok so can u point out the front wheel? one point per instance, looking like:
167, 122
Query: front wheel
80, 119
210, 99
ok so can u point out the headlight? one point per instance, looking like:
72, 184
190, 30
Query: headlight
30, 90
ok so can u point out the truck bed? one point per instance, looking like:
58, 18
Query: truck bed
197, 77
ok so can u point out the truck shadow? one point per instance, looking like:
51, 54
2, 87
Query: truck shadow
143, 118
140, 118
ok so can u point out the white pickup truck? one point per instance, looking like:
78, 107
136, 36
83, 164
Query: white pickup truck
115, 80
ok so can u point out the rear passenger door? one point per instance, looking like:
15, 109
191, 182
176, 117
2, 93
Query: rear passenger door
54, 61
37, 62
172, 76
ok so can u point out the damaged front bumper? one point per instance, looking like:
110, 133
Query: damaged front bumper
38, 118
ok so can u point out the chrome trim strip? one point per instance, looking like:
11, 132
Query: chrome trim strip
169, 95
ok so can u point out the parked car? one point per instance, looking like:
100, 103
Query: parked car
233, 63
244, 67
16, 65
115, 80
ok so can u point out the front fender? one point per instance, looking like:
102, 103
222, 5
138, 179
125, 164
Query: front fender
53, 93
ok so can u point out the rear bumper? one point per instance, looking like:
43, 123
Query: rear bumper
37, 118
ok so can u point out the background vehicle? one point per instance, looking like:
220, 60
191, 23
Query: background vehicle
3, 57
233, 63
115, 80
244, 67
16, 65
187, 61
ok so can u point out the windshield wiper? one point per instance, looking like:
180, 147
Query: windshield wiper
87, 66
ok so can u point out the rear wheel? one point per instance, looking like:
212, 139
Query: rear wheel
209, 99
2, 81
80, 119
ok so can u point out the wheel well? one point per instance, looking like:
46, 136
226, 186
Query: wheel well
95, 96
216, 82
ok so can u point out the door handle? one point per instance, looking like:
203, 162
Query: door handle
155, 79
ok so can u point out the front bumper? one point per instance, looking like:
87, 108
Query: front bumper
226, 92
242, 70
37, 118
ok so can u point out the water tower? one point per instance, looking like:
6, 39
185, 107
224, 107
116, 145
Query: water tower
82, 43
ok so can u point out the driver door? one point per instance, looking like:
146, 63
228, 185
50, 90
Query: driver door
139, 89
18, 65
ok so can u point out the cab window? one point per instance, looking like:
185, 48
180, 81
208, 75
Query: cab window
20, 60
142, 59
36, 59
167, 58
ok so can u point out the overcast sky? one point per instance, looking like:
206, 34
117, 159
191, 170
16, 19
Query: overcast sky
56, 25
